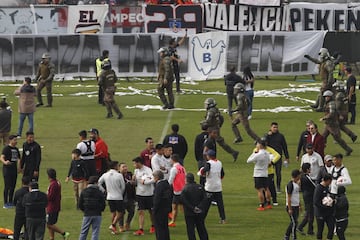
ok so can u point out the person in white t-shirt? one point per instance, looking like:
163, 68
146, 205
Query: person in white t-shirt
261, 158
159, 162
315, 160
144, 181
340, 174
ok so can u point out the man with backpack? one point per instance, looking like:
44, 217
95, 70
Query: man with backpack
87, 149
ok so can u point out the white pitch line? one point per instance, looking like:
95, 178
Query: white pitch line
167, 122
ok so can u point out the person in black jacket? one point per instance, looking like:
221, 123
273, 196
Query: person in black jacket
324, 207
341, 212
301, 149
78, 172
20, 219
162, 205
35, 203
199, 149
92, 203
194, 201
177, 142
31, 157
129, 197
307, 187
277, 141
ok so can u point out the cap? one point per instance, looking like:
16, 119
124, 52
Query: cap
309, 146
211, 153
94, 130
328, 158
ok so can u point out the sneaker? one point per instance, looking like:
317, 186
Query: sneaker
235, 155
121, 229
249, 117
152, 229
170, 215
66, 235
18, 136
110, 227
275, 203
260, 208
139, 232
268, 207
214, 203
222, 221
6, 206
172, 224
127, 227
39, 104
113, 229
300, 231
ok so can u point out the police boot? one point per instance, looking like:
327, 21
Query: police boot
49, 100
321, 104
238, 138
316, 105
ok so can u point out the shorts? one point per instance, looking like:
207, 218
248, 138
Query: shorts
176, 199
52, 218
144, 202
116, 205
261, 182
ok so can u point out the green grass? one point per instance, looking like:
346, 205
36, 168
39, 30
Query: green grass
56, 129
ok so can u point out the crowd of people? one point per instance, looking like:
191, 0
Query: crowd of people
160, 183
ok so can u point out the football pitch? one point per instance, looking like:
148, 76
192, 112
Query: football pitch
281, 100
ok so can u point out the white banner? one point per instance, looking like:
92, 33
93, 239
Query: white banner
204, 56
259, 2
243, 17
87, 18
267, 53
326, 16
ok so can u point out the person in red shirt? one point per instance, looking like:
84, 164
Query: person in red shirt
148, 152
53, 207
101, 152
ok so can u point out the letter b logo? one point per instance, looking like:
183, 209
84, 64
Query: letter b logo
206, 57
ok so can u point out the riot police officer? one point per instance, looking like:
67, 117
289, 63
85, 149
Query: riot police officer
242, 114
107, 81
332, 122
44, 77
214, 119
166, 78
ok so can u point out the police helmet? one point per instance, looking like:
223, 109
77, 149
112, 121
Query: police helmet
45, 55
239, 88
328, 93
164, 50
324, 53
209, 103
106, 65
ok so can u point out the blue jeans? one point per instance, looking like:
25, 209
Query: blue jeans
22, 117
95, 221
250, 95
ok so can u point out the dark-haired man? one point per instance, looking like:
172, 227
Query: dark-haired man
10, 157
31, 158
20, 219
178, 142
144, 193
148, 152
87, 149
27, 94
101, 152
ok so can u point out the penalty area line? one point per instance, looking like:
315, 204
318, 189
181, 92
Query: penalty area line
167, 122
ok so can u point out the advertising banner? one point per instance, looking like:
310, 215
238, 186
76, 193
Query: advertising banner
87, 18
171, 19
259, 2
326, 16
204, 56
124, 19
243, 17
33, 20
